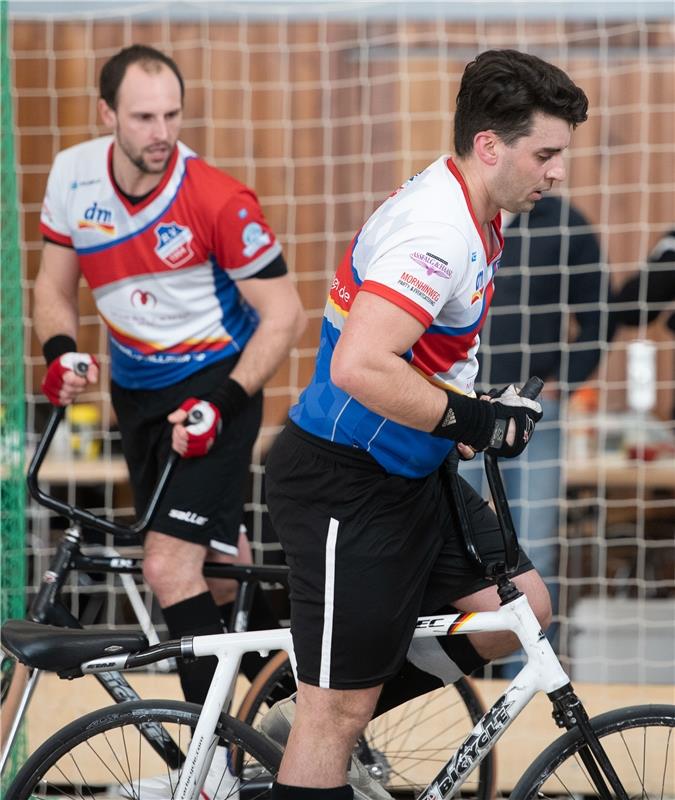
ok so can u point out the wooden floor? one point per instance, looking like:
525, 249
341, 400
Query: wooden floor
57, 702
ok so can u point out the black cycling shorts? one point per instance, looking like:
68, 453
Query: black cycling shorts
368, 552
204, 502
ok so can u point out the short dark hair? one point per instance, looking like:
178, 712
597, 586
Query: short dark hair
115, 69
502, 89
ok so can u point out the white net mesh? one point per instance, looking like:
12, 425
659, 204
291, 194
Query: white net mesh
324, 109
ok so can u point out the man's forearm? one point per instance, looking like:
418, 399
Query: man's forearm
387, 385
56, 295
264, 353
54, 315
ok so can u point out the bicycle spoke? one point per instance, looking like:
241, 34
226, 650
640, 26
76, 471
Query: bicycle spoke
107, 767
106, 755
638, 744
663, 782
66, 780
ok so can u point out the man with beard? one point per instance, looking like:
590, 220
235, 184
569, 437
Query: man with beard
192, 285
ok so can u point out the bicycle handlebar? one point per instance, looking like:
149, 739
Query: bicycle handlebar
81, 515
530, 390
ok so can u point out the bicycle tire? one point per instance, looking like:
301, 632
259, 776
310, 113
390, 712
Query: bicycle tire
404, 758
559, 770
6, 675
94, 756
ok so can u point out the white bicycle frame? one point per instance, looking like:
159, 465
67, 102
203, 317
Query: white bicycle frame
542, 673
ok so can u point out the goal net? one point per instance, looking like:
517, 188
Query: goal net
324, 108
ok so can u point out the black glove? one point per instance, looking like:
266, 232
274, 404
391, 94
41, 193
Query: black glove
524, 412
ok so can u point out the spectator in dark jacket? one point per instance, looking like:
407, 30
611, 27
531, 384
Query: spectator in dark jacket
643, 297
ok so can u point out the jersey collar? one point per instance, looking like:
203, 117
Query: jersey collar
495, 223
135, 208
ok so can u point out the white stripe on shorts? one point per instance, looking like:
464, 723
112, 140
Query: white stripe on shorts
328, 605
222, 547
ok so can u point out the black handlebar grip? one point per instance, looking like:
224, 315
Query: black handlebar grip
532, 387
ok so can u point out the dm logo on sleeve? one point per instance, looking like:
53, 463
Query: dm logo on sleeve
173, 244
254, 237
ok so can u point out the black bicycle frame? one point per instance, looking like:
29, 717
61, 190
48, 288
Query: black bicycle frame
47, 607
567, 706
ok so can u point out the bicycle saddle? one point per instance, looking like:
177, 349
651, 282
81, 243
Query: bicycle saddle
62, 650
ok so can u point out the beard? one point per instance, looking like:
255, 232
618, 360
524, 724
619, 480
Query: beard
138, 157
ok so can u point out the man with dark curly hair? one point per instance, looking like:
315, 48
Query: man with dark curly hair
352, 483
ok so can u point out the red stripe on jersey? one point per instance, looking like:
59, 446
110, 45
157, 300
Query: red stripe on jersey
59, 238
344, 288
436, 352
137, 256
198, 347
398, 300
147, 348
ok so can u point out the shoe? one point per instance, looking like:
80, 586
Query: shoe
276, 725
220, 783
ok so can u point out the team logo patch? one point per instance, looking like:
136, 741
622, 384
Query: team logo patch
480, 284
141, 299
432, 264
254, 237
98, 219
173, 244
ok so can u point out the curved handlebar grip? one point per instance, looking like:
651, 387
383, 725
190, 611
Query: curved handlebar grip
532, 388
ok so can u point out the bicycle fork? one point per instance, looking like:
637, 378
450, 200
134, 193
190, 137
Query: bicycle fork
569, 712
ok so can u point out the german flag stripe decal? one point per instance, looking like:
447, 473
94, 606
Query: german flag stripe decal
464, 618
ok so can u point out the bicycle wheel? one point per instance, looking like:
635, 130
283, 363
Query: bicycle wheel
104, 755
6, 673
640, 743
405, 748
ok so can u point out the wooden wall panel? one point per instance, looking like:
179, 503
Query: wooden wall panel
325, 118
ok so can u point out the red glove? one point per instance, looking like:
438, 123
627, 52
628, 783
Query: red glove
202, 426
52, 383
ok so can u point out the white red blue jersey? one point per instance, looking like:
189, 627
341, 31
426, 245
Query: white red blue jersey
424, 251
163, 271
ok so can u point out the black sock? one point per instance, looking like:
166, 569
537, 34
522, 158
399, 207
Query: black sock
281, 791
462, 652
260, 618
196, 616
